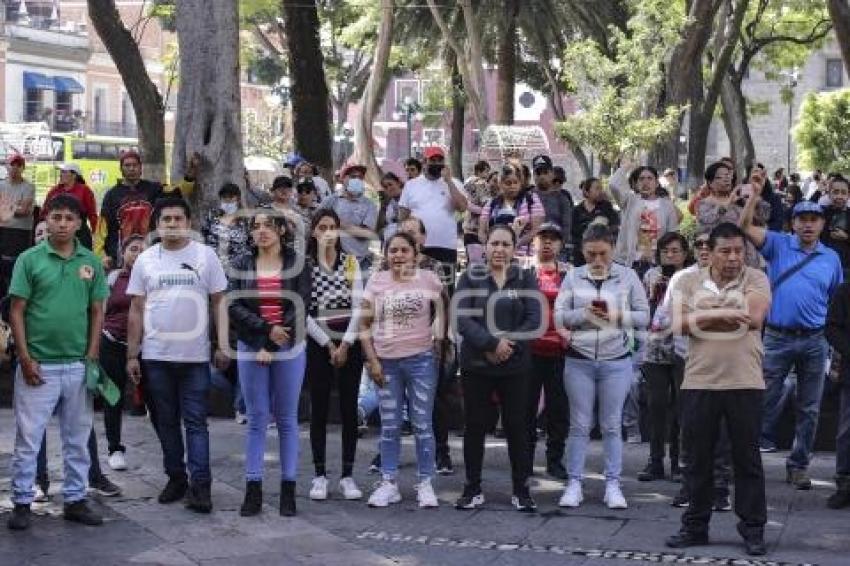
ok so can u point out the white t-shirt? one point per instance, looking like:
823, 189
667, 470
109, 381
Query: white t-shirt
431, 202
176, 286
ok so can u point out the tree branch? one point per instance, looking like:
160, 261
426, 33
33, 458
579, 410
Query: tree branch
258, 32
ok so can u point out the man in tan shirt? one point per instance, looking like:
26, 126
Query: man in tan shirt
721, 309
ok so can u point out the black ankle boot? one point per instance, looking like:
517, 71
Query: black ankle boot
287, 498
253, 503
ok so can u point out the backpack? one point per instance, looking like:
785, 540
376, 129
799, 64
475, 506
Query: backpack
497, 202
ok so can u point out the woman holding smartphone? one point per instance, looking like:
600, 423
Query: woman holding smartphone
600, 302
662, 368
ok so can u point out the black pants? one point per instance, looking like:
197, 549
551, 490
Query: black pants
322, 376
478, 392
113, 359
547, 375
702, 412
662, 391
13, 242
42, 478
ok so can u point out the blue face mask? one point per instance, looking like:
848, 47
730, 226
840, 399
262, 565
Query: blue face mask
355, 187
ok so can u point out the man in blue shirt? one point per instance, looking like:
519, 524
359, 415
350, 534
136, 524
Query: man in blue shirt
803, 274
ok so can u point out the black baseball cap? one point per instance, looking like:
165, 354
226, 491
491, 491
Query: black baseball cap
551, 228
541, 162
305, 183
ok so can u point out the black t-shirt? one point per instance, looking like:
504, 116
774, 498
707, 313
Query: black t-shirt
837, 219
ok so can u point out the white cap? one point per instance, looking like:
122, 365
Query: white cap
71, 167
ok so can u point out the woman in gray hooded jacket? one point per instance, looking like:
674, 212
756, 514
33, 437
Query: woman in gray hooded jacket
601, 303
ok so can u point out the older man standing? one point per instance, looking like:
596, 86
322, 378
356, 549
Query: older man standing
803, 274
358, 215
721, 309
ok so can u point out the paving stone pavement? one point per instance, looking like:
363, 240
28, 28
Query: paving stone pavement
139, 531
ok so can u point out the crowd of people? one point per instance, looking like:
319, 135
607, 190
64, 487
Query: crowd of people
561, 308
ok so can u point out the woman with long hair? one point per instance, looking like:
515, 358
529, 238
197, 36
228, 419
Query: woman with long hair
515, 206
398, 342
270, 325
497, 315
72, 182
334, 355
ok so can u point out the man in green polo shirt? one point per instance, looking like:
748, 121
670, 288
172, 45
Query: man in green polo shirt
57, 289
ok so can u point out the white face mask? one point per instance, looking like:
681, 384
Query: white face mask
229, 207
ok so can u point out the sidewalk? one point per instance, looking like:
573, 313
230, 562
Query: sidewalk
141, 531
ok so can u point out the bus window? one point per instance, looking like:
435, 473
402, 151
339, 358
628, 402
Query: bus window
58, 149
79, 150
93, 150
110, 151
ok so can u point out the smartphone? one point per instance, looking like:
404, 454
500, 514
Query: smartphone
668, 270
599, 304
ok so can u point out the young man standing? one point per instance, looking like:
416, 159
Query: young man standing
558, 204
15, 231
57, 289
836, 232
721, 309
172, 286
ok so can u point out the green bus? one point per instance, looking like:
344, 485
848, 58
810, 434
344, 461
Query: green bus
97, 157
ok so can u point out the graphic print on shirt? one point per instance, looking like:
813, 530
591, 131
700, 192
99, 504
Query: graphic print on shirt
400, 310
648, 231
134, 217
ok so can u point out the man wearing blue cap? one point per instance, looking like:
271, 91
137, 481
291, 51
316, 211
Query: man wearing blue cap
803, 274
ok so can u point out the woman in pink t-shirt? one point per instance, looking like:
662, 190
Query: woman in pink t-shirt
398, 343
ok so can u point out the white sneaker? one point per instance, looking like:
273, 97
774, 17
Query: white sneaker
117, 461
425, 495
614, 496
349, 489
241, 418
319, 489
40, 495
572, 496
385, 494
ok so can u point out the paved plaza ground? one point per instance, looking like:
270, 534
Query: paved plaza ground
139, 531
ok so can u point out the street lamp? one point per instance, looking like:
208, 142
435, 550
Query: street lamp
410, 110
793, 77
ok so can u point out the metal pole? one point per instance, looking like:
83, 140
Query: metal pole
409, 111
790, 118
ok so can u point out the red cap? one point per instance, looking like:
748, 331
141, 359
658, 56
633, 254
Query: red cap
17, 159
346, 171
129, 153
433, 151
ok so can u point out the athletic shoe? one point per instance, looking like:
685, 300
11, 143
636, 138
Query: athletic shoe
681, 500
444, 465
685, 539
799, 479
523, 502
319, 489
572, 496
425, 495
349, 489
241, 418
385, 493
375, 465
721, 502
117, 461
471, 498
102, 486
41, 495
614, 496
80, 512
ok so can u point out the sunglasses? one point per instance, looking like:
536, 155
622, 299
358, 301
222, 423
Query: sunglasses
701, 244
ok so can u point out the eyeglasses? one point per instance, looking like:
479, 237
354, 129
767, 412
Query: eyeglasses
701, 244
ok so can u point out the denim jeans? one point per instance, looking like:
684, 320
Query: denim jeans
64, 389
178, 391
278, 383
413, 378
228, 381
808, 355
585, 380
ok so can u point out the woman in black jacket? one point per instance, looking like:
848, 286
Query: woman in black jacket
272, 287
498, 313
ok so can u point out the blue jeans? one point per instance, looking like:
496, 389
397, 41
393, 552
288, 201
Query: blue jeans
64, 389
179, 390
278, 383
413, 378
223, 381
808, 356
585, 380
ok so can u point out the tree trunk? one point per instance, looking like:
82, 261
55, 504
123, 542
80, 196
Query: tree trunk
737, 127
458, 116
309, 90
374, 94
506, 61
470, 59
839, 11
209, 102
143, 93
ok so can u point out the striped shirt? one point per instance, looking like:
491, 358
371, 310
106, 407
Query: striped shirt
271, 307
